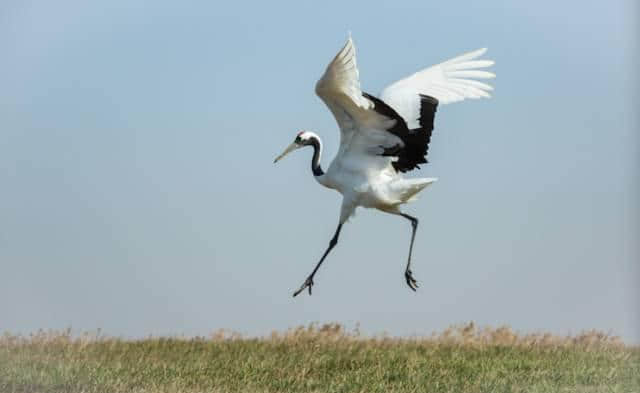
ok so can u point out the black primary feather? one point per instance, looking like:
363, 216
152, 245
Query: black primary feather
416, 141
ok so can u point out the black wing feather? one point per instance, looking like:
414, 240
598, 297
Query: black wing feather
416, 141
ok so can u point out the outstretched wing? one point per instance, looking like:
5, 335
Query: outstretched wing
450, 81
362, 129
339, 87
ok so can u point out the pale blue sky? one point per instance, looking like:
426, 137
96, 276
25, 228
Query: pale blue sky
139, 194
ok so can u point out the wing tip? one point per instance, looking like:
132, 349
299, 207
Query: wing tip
346, 50
475, 53
467, 56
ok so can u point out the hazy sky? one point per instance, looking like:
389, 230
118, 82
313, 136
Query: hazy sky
139, 195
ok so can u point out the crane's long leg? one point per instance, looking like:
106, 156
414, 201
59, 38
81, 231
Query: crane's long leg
408, 275
309, 281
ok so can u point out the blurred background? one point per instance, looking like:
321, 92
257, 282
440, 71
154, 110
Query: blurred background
138, 193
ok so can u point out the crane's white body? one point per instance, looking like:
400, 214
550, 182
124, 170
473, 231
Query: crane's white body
381, 188
359, 172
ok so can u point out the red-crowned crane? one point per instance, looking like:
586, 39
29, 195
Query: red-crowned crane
381, 138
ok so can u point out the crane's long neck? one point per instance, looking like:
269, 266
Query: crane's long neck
317, 154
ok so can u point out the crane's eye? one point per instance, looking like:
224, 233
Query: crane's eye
298, 139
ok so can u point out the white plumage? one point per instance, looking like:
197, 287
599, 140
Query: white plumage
382, 137
445, 81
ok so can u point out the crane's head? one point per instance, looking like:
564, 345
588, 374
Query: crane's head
304, 138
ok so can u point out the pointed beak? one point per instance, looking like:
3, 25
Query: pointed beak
286, 151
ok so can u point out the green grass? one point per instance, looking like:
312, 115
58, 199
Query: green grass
320, 359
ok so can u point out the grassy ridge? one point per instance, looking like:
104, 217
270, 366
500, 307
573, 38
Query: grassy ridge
321, 359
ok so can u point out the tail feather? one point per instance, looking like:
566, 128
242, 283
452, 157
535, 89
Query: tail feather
407, 189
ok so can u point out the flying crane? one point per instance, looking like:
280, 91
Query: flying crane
382, 138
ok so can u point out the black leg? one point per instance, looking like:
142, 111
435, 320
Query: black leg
309, 281
408, 275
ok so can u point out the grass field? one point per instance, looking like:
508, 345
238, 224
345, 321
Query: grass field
320, 359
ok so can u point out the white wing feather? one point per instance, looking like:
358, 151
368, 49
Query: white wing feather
447, 81
340, 82
362, 130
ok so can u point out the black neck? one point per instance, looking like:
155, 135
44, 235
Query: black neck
315, 161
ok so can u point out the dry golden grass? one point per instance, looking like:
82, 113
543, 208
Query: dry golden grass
320, 358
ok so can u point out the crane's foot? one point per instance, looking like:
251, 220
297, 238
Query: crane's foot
307, 284
411, 282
